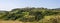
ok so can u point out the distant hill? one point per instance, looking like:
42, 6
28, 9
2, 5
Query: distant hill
57, 8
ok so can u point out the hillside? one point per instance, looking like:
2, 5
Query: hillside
28, 14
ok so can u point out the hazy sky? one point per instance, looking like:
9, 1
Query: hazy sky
10, 4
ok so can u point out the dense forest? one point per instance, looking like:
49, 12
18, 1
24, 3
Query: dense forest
31, 14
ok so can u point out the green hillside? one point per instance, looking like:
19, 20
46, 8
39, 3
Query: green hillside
30, 14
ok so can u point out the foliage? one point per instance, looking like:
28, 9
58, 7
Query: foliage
28, 14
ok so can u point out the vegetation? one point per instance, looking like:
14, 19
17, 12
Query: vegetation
31, 15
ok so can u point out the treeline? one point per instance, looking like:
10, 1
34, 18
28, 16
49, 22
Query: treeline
27, 14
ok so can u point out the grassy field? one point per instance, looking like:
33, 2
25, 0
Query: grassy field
46, 19
3, 21
51, 19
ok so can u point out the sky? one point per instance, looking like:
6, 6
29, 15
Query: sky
11, 4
